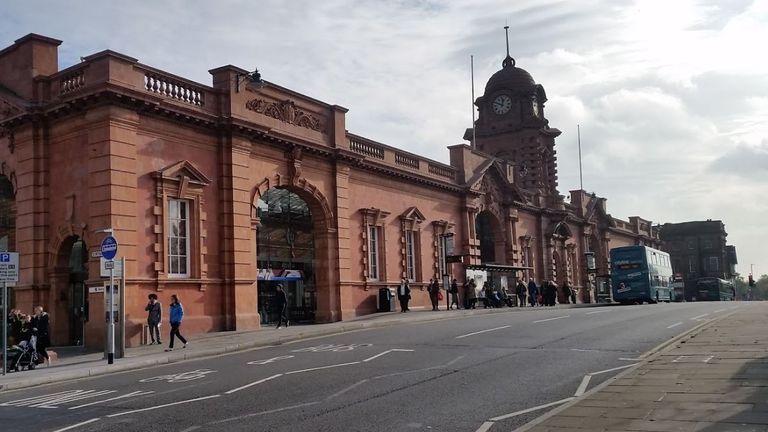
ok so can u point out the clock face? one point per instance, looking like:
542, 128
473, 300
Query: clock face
502, 104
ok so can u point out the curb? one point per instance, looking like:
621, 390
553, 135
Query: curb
644, 358
248, 345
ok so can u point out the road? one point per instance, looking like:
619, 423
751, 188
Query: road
485, 372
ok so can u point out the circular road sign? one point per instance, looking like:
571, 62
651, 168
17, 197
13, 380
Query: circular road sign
109, 248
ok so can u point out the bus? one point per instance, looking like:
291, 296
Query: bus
678, 291
714, 289
641, 274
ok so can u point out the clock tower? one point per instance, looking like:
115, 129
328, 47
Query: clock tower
512, 126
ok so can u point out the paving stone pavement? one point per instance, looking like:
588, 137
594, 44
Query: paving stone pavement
714, 380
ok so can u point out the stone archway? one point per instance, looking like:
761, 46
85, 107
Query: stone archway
489, 232
68, 296
326, 286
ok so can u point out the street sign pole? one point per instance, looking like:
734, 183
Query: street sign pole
5, 327
111, 326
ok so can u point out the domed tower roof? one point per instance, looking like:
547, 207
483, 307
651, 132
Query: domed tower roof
511, 78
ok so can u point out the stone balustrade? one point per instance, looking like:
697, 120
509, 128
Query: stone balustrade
173, 88
72, 82
401, 160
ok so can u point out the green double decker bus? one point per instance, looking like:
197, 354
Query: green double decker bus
714, 289
641, 274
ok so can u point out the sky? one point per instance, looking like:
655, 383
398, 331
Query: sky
671, 96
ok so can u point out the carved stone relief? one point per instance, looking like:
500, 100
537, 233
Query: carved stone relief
286, 111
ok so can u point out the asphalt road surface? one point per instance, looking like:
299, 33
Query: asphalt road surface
485, 372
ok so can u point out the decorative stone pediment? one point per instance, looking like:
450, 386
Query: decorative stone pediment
286, 111
412, 219
183, 171
494, 181
560, 229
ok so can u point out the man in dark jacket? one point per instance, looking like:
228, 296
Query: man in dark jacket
520, 291
403, 295
154, 316
533, 291
281, 303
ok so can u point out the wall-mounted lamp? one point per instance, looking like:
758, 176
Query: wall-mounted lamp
252, 77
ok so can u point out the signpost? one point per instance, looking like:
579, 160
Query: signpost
108, 252
9, 272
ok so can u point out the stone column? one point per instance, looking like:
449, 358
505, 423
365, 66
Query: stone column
343, 260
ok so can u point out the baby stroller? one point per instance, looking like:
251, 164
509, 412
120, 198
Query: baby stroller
23, 356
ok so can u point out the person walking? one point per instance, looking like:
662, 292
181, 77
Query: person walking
281, 303
176, 316
533, 292
434, 292
154, 316
572, 293
472, 294
454, 294
40, 329
482, 295
403, 295
566, 292
520, 291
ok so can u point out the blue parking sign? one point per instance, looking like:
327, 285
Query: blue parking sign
109, 248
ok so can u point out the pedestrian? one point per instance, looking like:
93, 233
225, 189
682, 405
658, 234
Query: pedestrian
40, 329
281, 303
403, 295
454, 294
533, 292
472, 294
434, 293
566, 292
572, 291
550, 293
520, 291
14, 327
482, 297
154, 317
176, 316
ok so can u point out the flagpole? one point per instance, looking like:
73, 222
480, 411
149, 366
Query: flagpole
578, 135
472, 105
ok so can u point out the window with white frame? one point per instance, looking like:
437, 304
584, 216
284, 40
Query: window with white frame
410, 255
373, 252
178, 238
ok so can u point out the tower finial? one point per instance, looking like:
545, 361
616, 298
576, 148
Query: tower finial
508, 61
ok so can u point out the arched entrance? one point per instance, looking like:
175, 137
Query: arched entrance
70, 291
286, 254
488, 231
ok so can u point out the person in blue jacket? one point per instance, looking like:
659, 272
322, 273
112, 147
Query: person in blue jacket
533, 291
177, 315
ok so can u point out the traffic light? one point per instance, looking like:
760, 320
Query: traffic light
751, 280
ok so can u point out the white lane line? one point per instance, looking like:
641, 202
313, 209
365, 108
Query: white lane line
136, 393
253, 384
583, 386
322, 367
552, 319
485, 427
78, 425
261, 413
341, 392
536, 408
720, 310
699, 316
482, 331
387, 352
629, 359
600, 311
674, 325
613, 369
584, 350
163, 406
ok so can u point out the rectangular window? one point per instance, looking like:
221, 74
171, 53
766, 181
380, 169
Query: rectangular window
691, 266
373, 252
714, 264
441, 264
410, 256
178, 238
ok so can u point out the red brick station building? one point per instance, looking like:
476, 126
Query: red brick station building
219, 192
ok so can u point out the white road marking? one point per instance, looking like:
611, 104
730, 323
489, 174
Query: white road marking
322, 367
332, 347
482, 331
600, 311
629, 359
264, 413
271, 360
613, 369
485, 427
674, 325
536, 408
708, 359
341, 392
74, 426
699, 316
180, 377
52, 401
677, 360
36, 399
422, 369
552, 319
387, 352
163, 406
584, 350
253, 384
583, 386
720, 310
136, 393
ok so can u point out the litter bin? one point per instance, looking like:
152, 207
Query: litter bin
387, 300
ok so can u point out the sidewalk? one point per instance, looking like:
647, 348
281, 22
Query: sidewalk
76, 365
715, 379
